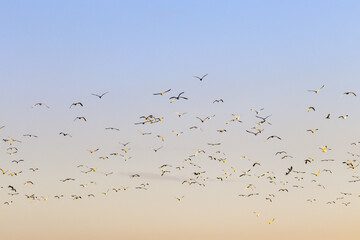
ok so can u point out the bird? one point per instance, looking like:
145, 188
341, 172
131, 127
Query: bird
281, 152
317, 91
12, 188
325, 149
83, 118
93, 151
161, 137
178, 97
112, 128
67, 179
289, 170
214, 144
180, 115
162, 93
254, 133
40, 104
328, 116
316, 174
200, 78
257, 111
348, 93
30, 135
65, 134
202, 120
344, 117
76, 104
29, 182
218, 101
179, 198
143, 133
99, 96
156, 149
124, 144
272, 220
17, 161
273, 136
177, 133
311, 108
312, 131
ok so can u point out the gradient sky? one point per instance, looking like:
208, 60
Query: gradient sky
258, 54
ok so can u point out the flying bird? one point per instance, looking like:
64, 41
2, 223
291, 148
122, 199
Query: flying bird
76, 104
83, 118
348, 93
178, 97
201, 78
40, 104
99, 96
162, 93
317, 91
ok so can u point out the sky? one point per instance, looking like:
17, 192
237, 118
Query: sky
257, 54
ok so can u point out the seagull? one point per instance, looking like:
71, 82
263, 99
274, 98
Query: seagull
256, 111
324, 149
312, 131
289, 170
177, 133
124, 144
317, 91
157, 149
218, 101
67, 179
30, 135
65, 134
40, 104
143, 133
83, 118
201, 78
344, 117
179, 115
214, 144
272, 220
76, 104
28, 182
273, 136
179, 198
93, 151
162, 93
112, 128
18, 161
178, 97
348, 93
311, 108
99, 96
161, 137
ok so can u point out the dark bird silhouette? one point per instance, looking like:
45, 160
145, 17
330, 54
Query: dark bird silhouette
178, 97
201, 78
99, 96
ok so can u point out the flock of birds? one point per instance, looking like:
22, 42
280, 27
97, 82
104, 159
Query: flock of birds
197, 174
